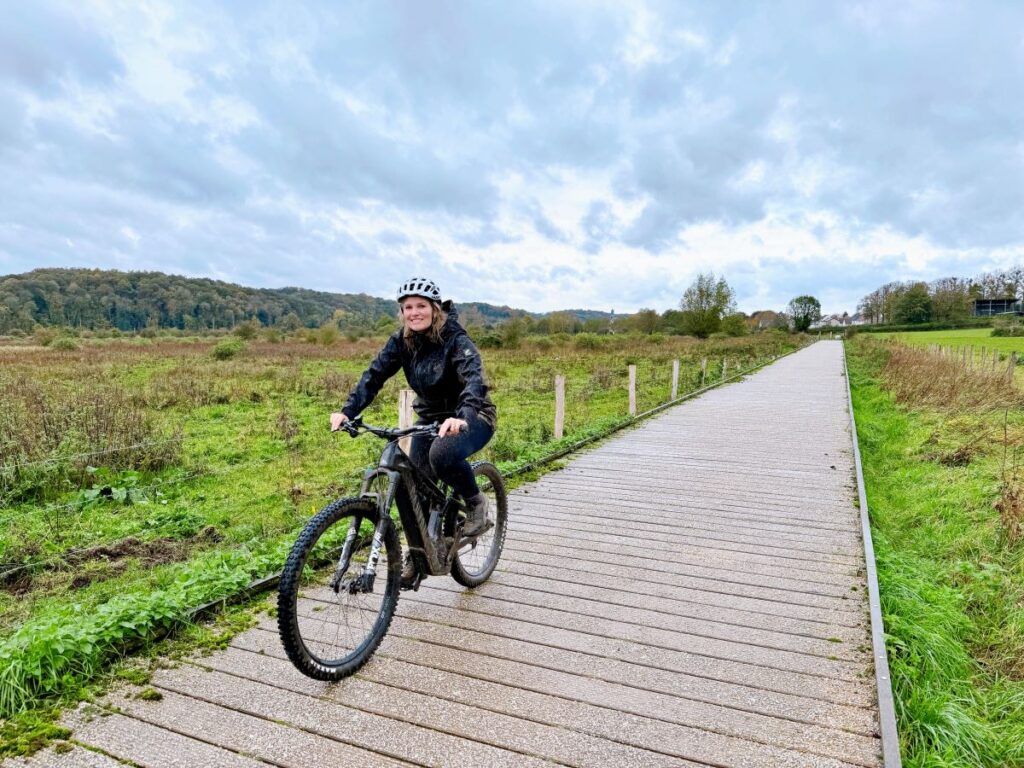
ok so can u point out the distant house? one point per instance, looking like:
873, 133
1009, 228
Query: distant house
845, 319
988, 307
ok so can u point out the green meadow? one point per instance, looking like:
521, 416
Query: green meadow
964, 337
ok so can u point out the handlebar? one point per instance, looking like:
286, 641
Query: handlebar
355, 426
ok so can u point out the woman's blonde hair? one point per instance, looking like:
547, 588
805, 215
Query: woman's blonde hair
438, 318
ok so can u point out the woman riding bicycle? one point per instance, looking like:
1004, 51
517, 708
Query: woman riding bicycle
444, 368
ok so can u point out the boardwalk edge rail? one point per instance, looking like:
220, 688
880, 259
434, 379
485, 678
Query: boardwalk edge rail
886, 706
270, 582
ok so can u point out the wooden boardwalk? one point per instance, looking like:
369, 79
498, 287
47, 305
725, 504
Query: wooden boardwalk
688, 593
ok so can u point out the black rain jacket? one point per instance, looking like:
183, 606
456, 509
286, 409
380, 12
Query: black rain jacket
448, 377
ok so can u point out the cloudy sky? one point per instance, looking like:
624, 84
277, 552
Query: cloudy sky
543, 155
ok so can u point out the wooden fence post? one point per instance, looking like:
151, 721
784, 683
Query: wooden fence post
406, 415
1011, 368
703, 371
725, 367
675, 379
559, 407
632, 390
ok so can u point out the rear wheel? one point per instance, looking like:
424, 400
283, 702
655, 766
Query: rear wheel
330, 626
475, 561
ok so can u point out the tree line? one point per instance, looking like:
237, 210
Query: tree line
99, 300
948, 299
107, 300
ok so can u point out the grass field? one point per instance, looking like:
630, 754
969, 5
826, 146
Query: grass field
139, 478
945, 492
964, 337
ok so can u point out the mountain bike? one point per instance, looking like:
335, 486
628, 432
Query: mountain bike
340, 585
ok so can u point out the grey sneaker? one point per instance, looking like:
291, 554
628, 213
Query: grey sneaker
408, 571
476, 515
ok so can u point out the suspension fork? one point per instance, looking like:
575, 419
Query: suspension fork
364, 582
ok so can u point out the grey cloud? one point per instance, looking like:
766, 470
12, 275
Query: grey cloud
598, 225
911, 112
485, 235
542, 224
153, 153
41, 43
321, 148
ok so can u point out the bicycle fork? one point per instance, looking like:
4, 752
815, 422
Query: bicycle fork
364, 581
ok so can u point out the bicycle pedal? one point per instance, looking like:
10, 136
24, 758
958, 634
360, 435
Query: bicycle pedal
413, 585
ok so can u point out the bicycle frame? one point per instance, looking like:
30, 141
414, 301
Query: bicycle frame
407, 488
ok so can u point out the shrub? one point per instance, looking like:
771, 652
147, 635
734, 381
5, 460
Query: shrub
1008, 326
542, 343
44, 336
734, 325
228, 348
587, 341
490, 341
327, 334
247, 330
64, 344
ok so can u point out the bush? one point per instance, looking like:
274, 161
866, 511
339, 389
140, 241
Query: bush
587, 341
1008, 326
44, 336
542, 343
64, 344
976, 322
228, 348
327, 334
247, 330
734, 325
490, 341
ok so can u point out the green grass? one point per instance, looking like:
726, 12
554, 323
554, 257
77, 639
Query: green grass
952, 587
964, 337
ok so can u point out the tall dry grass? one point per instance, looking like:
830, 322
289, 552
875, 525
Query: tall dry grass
49, 435
919, 377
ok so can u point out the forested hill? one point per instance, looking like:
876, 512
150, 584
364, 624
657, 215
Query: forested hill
131, 301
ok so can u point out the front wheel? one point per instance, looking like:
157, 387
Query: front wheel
332, 621
475, 561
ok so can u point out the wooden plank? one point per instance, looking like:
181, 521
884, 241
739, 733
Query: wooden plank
632, 390
559, 406
406, 415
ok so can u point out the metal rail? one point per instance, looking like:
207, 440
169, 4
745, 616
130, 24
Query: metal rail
886, 705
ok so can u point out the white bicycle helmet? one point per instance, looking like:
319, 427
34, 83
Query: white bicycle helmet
420, 286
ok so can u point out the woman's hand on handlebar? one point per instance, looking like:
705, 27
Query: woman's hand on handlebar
451, 427
337, 419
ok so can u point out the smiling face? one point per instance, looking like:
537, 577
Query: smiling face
417, 313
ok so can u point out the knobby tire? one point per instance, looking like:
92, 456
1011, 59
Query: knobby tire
472, 566
308, 611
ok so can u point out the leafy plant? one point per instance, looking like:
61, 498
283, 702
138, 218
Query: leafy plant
228, 348
107, 486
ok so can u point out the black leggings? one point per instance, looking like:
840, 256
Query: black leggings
445, 457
